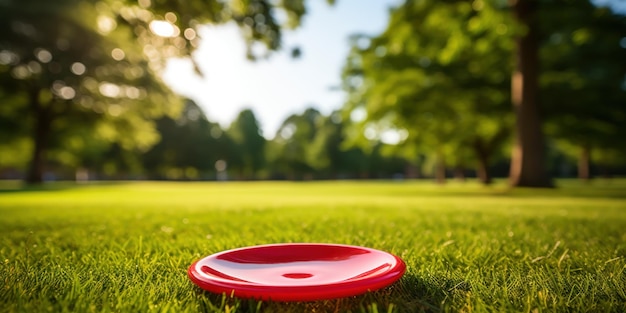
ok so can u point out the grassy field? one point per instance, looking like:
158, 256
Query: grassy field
125, 247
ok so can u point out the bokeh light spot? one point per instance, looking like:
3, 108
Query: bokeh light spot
43, 55
171, 17
190, 33
20, 72
109, 90
34, 67
67, 93
106, 24
8, 57
78, 68
164, 28
118, 54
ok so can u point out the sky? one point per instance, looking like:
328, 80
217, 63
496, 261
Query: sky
280, 86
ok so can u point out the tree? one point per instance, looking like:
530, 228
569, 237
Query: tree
583, 83
190, 146
245, 132
75, 86
291, 154
528, 166
331, 156
438, 73
325, 152
88, 65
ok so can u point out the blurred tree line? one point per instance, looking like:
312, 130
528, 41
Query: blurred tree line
522, 88
309, 145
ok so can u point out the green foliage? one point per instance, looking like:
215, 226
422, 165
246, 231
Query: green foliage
93, 66
325, 149
126, 247
440, 72
98, 88
311, 145
331, 156
12, 153
190, 146
290, 152
583, 79
249, 156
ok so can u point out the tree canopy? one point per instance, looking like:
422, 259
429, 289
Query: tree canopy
584, 76
446, 72
440, 72
248, 144
92, 67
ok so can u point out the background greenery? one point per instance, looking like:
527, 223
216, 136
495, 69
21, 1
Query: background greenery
75, 76
125, 247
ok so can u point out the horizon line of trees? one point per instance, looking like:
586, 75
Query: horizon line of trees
308, 146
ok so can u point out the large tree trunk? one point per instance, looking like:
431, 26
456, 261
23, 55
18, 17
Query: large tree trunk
528, 168
41, 131
583, 163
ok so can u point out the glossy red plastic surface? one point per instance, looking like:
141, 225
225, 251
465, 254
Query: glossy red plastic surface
297, 271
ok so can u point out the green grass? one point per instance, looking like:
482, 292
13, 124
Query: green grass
125, 247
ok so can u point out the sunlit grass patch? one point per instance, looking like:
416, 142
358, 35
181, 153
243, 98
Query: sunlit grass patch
126, 246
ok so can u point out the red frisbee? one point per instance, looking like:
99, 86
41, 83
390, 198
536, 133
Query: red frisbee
296, 271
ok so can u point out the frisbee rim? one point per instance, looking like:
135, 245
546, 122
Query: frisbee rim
323, 291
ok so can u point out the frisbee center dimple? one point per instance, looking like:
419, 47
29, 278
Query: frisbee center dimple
297, 275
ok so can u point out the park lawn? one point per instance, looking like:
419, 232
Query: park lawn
126, 247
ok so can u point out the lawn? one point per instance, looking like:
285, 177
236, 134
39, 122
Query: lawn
126, 247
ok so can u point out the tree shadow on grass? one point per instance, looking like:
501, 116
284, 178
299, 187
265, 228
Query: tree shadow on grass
410, 294
377, 301
430, 293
